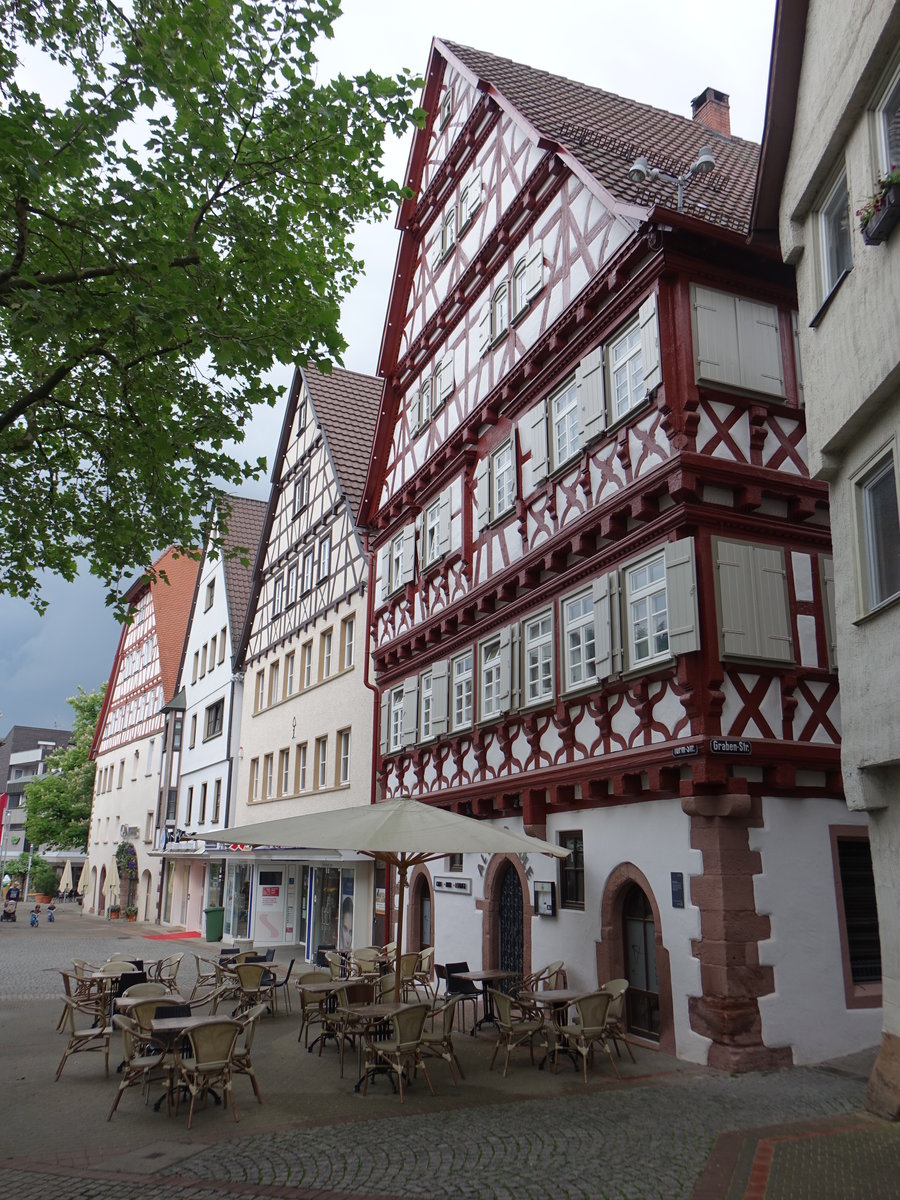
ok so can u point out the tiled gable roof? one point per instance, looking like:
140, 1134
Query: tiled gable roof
245, 526
346, 405
171, 609
606, 132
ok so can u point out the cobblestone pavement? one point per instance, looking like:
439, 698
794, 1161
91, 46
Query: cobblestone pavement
666, 1132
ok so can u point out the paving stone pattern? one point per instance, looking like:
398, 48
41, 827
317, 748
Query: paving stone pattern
848, 1166
648, 1143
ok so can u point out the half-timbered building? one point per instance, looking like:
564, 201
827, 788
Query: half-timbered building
307, 715
602, 574
207, 707
128, 744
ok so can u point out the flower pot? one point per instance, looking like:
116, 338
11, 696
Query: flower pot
113, 916
881, 224
131, 916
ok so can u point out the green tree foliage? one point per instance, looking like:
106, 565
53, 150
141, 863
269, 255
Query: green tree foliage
177, 225
58, 809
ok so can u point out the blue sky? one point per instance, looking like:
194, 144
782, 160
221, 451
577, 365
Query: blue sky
667, 56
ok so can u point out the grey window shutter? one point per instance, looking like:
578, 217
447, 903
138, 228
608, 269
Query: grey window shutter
774, 611
534, 270
445, 523
537, 423
410, 711
408, 569
484, 328
591, 394
798, 364
439, 706
482, 494
385, 721
826, 566
760, 347
681, 597
446, 376
506, 674
383, 581
737, 622
413, 402
603, 626
473, 193
649, 324
716, 352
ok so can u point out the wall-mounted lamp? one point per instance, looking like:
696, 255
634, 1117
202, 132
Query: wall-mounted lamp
640, 172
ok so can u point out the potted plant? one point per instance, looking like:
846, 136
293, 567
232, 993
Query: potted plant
881, 211
44, 882
113, 912
131, 913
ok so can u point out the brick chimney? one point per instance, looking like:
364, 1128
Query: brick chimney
711, 109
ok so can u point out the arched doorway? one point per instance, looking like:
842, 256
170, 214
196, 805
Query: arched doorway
509, 923
100, 906
93, 907
145, 895
639, 935
421, 912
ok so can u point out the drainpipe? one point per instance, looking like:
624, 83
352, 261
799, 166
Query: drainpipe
376, 744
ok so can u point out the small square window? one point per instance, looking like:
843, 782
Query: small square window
571, 870
626, 371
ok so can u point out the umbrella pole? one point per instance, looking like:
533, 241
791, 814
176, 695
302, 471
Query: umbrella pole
401, 897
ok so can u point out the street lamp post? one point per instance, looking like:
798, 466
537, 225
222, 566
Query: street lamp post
640, 171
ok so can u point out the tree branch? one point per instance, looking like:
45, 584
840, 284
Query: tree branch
21, 240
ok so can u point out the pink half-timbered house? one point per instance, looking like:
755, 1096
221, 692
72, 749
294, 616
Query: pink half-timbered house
602, 593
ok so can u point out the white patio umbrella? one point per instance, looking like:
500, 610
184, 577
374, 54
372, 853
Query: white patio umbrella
84, 879
111, 883
403, 832
65, 881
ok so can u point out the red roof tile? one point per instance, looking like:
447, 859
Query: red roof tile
171, 610
346, 405
606, 132
245, 526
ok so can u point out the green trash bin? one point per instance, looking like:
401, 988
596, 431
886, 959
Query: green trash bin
215, 922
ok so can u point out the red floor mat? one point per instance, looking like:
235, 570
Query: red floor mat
171, 937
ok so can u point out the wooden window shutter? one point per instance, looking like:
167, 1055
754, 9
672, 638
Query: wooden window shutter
482, 494
681, 597
506, 674
383, 568
445, 523
534, 270
446, 376
410, 711
439, 706
408, 569
385, 722
774, 613
649, 324
716, 353
589, 380
798, 364
759, 342
484, 328
737, 623
826, 567
603, 595
537, 429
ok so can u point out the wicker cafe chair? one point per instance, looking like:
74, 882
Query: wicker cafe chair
403, 1052
257, 985
615, 1015
589, 1029
227, 986
408, 964
241, 1062
210, 1063
206, 974
312, 1006
517, 1025
138, 1062
439, 1042
84, 1021
353, 992
167, 971
423, 973
145, 990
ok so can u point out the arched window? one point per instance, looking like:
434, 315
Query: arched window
500, 311
519, 290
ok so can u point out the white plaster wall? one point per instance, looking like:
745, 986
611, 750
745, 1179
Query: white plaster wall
796, 890
125, 805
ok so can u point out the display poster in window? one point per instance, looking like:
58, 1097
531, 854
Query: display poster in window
347, 902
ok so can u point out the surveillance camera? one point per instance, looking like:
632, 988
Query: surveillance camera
639, 170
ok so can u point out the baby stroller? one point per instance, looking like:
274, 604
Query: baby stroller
9, 910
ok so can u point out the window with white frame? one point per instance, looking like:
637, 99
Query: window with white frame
396, 564
289, 674
325, 648
461, 682
888, 115
203, 654
189, 806
222, 645
322, 762
192, 742
343, 757
448, 230
426, 696
348, 634
431, 524
425, 391
309, 570
196, 670
217, 801
519, 288
284, 772
538, 658
291, 589
626, 371
579, 639
490, 679
301, 493
301, 767
210, 595
214, 716
269, 776
260, 695
500, 311
307, 664
836, 255
879, 532
564, 424
212, 651
395, 718
274, 681
204, 788
446, 107
503, 480
324, 557
647, 611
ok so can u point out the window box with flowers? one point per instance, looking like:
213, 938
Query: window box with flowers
881, 212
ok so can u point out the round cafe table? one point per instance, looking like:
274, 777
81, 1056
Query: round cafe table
490, 975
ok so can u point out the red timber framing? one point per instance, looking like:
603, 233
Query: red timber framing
702, 467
